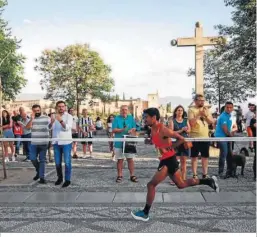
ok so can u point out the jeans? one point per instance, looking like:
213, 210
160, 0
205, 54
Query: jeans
230, 157
39, 150
66, 151
17, 144
223, 146
27, 145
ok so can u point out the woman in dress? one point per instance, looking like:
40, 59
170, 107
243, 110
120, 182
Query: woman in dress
7, 126
110, 134
181, 125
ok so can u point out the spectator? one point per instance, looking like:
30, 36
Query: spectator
26, 133
110, 134
7, 125
75, 131
239, 118
61, 125
181, 126
248, 116
215, 115
138, 125
224, 129
124, 124
17, 129
253, 127
86, 127
199, 119
98, 124
39, 125
49, 148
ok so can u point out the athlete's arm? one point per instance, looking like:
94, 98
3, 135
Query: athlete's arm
169, 133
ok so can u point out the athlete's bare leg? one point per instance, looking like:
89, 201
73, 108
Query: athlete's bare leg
180, 183
159, 176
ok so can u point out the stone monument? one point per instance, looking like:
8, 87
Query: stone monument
198, 42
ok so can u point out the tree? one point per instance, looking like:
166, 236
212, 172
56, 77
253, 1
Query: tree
117, 97
73, 73
239, 54
106, 99
168, 107
11, 62
220, 84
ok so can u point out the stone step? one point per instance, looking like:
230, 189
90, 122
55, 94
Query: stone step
126, 197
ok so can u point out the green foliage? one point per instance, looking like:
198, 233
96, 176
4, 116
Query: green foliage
239, 54
220, 84
73, 73
11, 63
229, 69
168, 107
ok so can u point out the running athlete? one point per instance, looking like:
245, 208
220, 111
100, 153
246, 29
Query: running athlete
169, 165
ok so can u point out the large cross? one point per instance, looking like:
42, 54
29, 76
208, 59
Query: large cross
198, 42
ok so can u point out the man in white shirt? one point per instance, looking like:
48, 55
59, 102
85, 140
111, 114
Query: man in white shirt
75, 131
248, 117
61, 124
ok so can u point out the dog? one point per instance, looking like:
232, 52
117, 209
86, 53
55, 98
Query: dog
237, 160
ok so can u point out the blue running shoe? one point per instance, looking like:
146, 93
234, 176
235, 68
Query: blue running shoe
140, 215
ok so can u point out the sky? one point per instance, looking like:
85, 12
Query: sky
132, 36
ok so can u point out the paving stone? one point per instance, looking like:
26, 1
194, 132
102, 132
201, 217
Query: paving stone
136, 197
14, 196
254, 191
51, 197
230, 197
179, 197
95, 197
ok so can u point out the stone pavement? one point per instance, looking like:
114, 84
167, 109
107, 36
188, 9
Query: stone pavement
96, 203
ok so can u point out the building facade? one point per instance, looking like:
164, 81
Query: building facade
136, 106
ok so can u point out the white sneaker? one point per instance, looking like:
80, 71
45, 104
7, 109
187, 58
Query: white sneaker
13, 159
84, 156
6, 159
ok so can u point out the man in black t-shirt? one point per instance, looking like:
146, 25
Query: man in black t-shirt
253, 128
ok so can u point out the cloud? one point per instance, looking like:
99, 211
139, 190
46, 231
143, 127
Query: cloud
26, 21
140, 54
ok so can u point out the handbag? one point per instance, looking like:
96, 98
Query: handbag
128, 146
187, 145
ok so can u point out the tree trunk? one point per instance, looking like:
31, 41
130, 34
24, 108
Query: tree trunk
219, 89
77, 100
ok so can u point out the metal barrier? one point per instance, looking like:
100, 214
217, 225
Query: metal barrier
212, 139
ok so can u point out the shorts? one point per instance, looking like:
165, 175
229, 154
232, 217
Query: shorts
181, 151
200, 147
121, 156
8, 133
87, 143
171, 163
75, 135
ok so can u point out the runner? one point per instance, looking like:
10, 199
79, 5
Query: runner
169, 165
